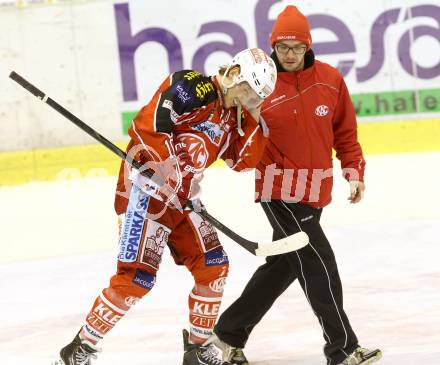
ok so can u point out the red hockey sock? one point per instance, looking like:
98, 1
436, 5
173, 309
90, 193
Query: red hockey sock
101, 319
203, 311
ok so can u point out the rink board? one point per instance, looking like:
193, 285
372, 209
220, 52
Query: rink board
95, 160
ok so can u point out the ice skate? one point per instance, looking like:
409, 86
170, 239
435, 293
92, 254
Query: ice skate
362, 356
231, 355
78, 352
199, 354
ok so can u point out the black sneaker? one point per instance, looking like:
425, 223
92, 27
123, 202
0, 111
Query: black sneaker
362, 356
231, 355
199, 354
78, 352
237, 357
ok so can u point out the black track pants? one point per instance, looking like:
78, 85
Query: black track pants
315, 268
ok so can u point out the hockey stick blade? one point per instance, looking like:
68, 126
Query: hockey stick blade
287, 244
291, 243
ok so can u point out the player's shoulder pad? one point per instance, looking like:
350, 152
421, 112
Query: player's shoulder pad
192, 89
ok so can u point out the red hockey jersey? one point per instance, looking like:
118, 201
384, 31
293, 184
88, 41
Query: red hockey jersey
187, 112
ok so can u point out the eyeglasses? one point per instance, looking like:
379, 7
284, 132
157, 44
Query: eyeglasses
284, 49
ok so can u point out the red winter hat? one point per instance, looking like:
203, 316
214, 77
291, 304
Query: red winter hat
291, 24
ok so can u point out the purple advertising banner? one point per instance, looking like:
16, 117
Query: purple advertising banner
343, 44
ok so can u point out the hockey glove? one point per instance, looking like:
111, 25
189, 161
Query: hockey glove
177, 175
177, 190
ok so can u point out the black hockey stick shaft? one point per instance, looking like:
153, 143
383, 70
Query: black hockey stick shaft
248, 245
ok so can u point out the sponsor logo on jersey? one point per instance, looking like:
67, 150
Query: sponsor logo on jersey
142, 204
130, 301
212, 130
202, 332
208, 235
205, 309
321, 110
131, 237
181, 92
133, 226
190, 169
144, 279
191, 75
106, 314
168, 104
196, 148
204, 88
102, 318
218, 285
91, 332
155, 241
216, 257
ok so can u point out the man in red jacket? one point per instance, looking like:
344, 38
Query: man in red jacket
309, 114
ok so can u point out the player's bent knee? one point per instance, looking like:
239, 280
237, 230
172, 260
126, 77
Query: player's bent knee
213, 274
128, 287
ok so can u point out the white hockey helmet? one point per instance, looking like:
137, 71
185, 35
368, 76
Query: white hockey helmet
257, 69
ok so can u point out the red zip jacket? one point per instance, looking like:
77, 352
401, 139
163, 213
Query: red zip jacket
309, 114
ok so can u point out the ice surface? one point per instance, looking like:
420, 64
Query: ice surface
59, 246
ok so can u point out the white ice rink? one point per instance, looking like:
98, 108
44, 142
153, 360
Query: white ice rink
59, 243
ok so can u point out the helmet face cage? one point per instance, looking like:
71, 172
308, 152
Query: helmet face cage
257, 69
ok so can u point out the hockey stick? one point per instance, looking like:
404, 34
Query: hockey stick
288, 244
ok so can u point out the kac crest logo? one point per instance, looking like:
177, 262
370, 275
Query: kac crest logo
321, 110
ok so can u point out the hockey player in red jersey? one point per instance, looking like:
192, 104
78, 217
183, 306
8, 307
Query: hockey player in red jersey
191, 121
